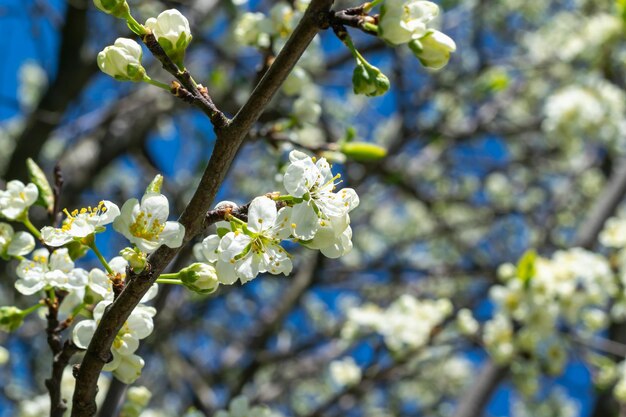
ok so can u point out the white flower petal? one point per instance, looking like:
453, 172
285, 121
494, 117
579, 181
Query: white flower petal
262, 214
83, 332
21, 244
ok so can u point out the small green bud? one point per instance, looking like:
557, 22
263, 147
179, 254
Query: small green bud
136, 258
369, 80
117, 8
200, 278
363, 151
11, 318
37, 177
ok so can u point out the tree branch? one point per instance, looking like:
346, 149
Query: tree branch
229, 140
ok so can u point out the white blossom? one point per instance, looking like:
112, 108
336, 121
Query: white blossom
126, 366
14, 244
244, 253
315, 184
17, 198
145, 224
404, 20
81, 223
46, 271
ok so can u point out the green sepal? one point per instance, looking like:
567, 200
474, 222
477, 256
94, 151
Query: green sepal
76, 250
155, 185
37, 177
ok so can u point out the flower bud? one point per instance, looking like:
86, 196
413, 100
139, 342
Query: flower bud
136, 258
37, 177
139, 395
117, 8
200, 278
363, 151
171, 29
11, 318
122, 60
433, 50
369, 80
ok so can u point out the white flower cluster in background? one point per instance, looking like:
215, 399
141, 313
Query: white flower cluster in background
556, 40
573, 289
594, 109
345, 372
240, 407
407, 324
314, 215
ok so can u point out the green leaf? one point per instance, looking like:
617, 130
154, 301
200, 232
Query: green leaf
526, 266
37, 177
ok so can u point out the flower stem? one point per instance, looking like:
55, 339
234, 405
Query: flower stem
77, 310
347, 40
103, 261
156, 83
31, 228
51, 295
31, 309
168, 281
170, 276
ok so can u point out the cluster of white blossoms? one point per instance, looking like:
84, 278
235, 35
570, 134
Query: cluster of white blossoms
594, 33
571, 290
313, 215
407, 324
51, 271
